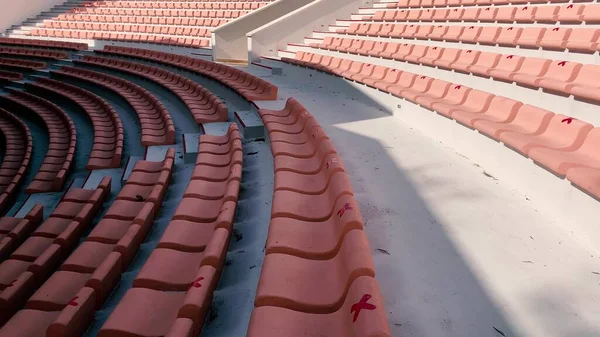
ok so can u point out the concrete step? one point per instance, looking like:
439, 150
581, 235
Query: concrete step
250, 124
23, 31
55, 12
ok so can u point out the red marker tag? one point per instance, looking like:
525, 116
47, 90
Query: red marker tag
568, 120
73, 301
196, 283
562, 63
343, 210
362, 304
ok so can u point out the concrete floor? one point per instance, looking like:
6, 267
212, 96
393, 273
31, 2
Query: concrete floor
457, 252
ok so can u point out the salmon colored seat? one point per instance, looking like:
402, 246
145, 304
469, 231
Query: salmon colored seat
499, 110
587, 179
314, 240
585, 85
562, 133
361, 314
529, 120
315, 286
455, 96
560, 162
309, 184
190, 236
181, 312
311, 207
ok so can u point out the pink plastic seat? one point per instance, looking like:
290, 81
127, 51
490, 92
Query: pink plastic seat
507, 65
585, 85
560, 162
507, 13
488, 35
466, 59
499, 110
530, 37
531, 69
449, 56
587, 179
529, 120
438, 32
583, 40
453, 33
437, 91
488, 14
453, 97
526, 14
471, 14
555, 38
556, 78
563, 133
508, 36
485, 63
470, 34
433, 54
591, 14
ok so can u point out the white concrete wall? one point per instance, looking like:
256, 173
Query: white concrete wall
229, 40
15, 12
293, 27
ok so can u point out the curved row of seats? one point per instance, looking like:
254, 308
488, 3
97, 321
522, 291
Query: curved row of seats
178, 279
249, 86
107, 149
43, 43
147, 20
124, 37
162, 12
562, 77
13, 231
141, 20
62, 138
21, 65
564, 145
44, 248
133, 28
584, 40
565, 13
38, 53
65, 304
234, 1
156, 123
246, 5
6, 76
204, 106
318, 268
17, 155
466, 3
